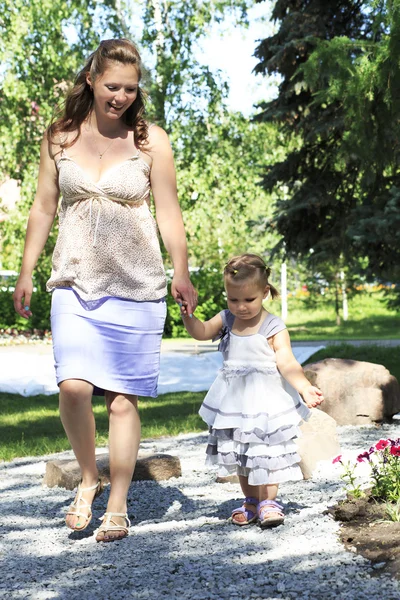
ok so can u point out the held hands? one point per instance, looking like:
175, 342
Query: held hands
22, 296
312, 396
184, 294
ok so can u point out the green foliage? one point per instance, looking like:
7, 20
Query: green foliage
338, 189
218, 154
383, 459
393, 511
386, 474
171, 32
218, 182
8, 316
209, 283
349, 478
38, 65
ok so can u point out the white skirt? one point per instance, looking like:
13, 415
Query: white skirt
254, 417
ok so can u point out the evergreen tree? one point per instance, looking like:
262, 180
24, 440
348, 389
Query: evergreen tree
339, 188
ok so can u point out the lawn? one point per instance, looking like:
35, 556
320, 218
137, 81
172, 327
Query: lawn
369, 319
31, 426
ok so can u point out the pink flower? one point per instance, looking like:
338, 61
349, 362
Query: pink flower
382, 444
337, 459
395, 450
363, 456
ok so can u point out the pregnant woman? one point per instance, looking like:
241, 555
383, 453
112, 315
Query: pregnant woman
108, 283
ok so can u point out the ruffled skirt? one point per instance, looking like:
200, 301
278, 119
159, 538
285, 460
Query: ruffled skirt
254, 417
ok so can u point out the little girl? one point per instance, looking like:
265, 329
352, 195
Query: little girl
253, 408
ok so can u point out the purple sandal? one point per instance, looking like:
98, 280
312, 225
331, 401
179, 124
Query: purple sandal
270, 513
250, 515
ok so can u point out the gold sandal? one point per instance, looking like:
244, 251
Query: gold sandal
80, 502
110, 525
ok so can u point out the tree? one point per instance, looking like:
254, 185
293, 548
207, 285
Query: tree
217, 153
338, 189
38, 61
171, 32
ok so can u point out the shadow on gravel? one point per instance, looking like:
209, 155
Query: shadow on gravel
172, 553
195, 563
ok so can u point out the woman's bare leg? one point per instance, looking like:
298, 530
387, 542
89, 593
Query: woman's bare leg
124, 439
78, 420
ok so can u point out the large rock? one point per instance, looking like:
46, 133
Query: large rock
157, 467
355, 392
319, 441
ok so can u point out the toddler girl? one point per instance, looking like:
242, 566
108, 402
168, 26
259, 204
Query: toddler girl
260, 396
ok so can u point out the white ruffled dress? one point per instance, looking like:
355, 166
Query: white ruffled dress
252, 412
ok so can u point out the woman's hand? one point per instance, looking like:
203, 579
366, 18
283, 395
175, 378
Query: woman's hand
184, 294
312, 396
22, 296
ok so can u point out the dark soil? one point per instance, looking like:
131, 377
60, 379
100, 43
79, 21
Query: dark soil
367, 529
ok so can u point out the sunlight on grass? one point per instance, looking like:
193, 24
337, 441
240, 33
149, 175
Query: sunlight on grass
369, 318
32, 427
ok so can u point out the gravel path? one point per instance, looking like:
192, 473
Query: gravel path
181, 546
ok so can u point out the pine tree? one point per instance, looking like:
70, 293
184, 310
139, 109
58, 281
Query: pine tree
339, 188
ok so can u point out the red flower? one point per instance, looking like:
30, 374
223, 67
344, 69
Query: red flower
382, 444
395, 450
337, 459
363, 456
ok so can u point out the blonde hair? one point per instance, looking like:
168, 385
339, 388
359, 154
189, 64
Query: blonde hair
249, 266
79, 101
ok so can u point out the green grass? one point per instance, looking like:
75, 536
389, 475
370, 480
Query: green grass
369, 319
32, 427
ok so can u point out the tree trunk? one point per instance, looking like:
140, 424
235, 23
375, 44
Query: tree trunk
337, 310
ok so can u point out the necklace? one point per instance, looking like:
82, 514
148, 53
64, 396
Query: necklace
101, 154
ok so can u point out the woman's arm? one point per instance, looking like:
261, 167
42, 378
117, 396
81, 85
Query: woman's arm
169, 216
203, 330
292, 371
41, 217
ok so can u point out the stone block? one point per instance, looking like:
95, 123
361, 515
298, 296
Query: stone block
154, 467
319, 441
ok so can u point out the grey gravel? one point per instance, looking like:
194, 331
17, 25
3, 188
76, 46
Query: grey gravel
181, 546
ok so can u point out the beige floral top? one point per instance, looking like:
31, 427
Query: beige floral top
108, 239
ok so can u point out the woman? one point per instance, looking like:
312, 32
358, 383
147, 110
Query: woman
107, 280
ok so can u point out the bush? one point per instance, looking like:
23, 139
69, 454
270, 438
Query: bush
40, 306
209, 283
210, 286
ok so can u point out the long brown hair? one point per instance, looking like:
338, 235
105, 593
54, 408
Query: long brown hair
249, 266
79, 101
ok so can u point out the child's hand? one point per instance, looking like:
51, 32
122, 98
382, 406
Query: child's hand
312, 396
183, 306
